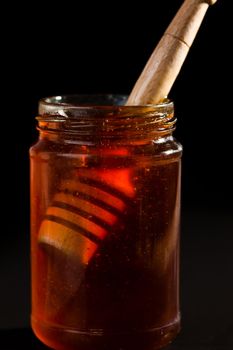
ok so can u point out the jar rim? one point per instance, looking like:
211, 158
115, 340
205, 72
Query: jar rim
111, 119
106, 102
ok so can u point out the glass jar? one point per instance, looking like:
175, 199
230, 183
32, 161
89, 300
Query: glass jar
105, 207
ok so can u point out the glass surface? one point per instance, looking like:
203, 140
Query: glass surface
105, 206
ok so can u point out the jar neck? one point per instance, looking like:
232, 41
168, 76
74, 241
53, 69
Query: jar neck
104, 123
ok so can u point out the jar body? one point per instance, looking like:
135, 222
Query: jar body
105, 243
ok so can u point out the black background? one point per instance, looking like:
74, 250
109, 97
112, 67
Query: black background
101, 48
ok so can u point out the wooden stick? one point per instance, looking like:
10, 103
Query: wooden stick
164, 65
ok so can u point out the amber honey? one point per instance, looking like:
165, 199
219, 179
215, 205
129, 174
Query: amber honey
105, 228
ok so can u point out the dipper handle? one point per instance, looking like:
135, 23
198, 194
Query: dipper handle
165, 63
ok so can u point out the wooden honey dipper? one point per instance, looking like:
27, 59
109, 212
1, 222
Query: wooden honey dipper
152, 87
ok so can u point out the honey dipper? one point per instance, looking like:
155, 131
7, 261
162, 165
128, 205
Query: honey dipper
152, 87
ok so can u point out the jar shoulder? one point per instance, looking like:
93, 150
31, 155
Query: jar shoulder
168, 146
162, 147
47, 146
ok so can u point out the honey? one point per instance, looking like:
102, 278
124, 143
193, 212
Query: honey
105, 207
